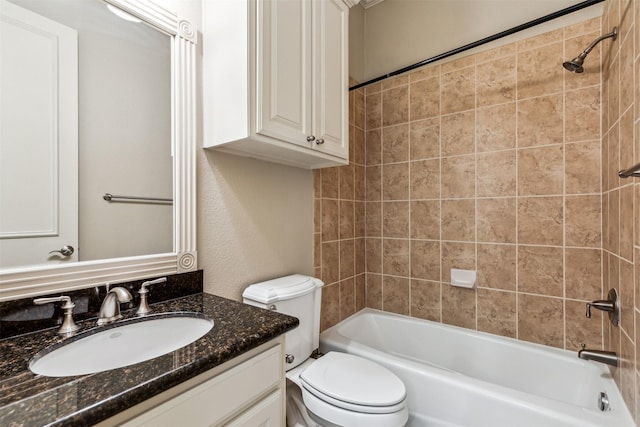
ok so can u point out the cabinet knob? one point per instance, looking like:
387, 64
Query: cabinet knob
311, 138
320, 141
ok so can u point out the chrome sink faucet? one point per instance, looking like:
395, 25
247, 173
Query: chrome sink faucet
110, 309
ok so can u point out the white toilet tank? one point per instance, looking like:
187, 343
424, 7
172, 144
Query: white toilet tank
298, 296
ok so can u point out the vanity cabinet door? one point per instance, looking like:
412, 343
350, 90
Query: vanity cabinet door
238, 392
266, 413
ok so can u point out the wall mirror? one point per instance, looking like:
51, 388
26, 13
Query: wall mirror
97, 152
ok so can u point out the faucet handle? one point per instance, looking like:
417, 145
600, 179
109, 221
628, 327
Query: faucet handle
610, 305
144, 306
603, 305
68, 325
67, 301
143, 288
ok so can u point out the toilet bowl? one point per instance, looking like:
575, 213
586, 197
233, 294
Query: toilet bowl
337, 389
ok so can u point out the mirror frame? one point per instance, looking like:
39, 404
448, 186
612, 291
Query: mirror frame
37, 280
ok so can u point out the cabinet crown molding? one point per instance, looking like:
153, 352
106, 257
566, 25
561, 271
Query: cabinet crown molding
351, 3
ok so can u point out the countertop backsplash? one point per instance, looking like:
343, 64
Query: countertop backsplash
22, 316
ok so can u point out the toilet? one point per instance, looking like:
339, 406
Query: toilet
336, 389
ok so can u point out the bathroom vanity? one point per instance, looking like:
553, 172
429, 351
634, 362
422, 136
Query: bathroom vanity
233, 375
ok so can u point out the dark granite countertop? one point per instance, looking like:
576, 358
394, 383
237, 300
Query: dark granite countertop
27, 399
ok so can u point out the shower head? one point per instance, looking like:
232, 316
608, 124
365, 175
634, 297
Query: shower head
575, 65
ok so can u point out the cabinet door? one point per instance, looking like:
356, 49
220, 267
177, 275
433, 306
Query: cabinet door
283, 70
217, 399
266, 413
330, 74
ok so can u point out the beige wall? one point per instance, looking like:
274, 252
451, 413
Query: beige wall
620, 150
398, 33
254, 221
356, 43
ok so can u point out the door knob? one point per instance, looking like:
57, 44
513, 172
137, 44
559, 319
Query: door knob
311, 138
66, 250
319, 141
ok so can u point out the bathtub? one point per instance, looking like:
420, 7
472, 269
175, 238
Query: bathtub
456, 377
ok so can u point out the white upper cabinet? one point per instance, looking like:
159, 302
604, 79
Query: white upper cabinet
276, 80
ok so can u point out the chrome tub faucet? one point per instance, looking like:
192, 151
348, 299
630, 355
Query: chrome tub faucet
110, 309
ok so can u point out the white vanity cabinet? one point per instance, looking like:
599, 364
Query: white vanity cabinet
276, 80
246, 391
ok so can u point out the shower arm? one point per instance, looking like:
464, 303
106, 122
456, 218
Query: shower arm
593, 44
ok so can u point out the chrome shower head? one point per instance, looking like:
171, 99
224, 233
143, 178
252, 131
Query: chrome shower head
575, 65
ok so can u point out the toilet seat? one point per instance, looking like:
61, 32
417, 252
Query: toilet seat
365, 409
354, 383
326, 414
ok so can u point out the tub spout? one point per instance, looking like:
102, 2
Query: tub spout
608, 357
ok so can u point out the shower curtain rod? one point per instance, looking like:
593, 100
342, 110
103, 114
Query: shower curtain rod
485, 40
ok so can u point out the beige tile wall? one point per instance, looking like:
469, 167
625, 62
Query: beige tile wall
491, 163
621, 149
339, 245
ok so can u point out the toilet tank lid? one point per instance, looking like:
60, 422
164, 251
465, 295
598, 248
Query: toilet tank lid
282, 288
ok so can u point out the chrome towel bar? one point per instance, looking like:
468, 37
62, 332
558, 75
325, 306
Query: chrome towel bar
113, 198
633, 171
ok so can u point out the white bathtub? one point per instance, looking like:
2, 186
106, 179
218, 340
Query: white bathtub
458, 377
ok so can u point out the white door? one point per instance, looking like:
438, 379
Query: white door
38, 138
283, 70
330, 76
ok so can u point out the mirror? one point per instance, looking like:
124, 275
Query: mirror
121, 73
118, 82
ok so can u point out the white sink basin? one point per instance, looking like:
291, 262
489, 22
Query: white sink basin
120, 346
